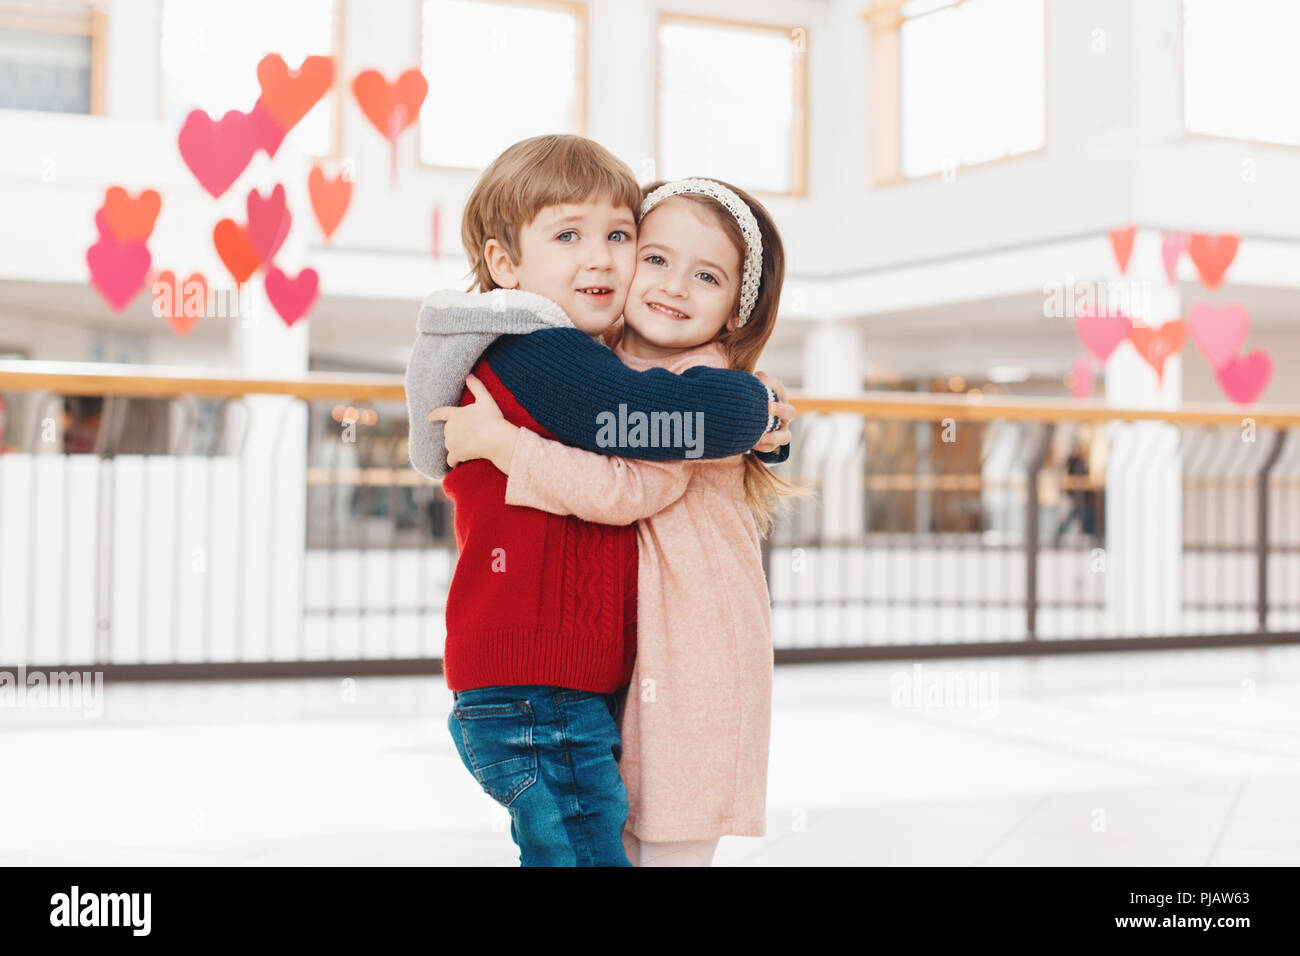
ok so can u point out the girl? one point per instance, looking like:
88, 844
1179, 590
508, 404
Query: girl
695, 731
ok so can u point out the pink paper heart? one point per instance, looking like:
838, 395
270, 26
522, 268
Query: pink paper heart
218, 151
268, 222
117, 270
1244, 379
1101, 334
1081, 377
292, 297
267, 131
1218, 333
1172, 247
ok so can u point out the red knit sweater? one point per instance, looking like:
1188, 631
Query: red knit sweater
536, 598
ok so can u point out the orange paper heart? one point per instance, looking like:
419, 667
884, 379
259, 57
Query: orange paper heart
1212, 256
1156, 345
184, 304
1121, 241
235, 249
289, 96
390, 107
131, 220
329, 199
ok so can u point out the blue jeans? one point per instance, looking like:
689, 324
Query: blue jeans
550, 756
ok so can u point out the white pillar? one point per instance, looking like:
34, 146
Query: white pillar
1144, 467
834, 447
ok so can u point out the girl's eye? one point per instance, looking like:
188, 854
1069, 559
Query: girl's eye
621, 232
708, 276
655, 259
567, 232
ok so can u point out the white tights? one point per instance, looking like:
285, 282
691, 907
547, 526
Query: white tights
681, 853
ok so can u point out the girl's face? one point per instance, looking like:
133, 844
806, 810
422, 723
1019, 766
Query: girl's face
686, 283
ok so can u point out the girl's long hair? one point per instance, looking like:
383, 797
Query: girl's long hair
763, 489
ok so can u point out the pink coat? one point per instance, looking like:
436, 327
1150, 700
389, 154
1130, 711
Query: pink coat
697, 727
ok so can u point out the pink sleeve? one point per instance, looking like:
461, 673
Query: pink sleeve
561, 480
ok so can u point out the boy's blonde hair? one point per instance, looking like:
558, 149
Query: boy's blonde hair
531, 175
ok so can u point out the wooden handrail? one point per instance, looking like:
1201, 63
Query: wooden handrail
95, 378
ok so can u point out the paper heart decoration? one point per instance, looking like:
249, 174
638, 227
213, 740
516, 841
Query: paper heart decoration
1121, 241
1080, 377
181, 304
235, 249
218, 151
268, 222
127, 219
117, 269
1156, 345
267, 133
289, 96
329, 199
1101, 333
1212, 255
1244, 379
1218, 333
292, 297
390, 107
1171, 249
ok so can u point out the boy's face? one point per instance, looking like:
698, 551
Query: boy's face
579, 255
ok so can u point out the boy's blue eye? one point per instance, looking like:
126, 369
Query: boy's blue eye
621, 232
653, 257
567, 232
708, 276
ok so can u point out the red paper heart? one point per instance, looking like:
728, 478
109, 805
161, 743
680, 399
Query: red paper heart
235, 249
329, 199
1156, 345
117, 269
218, 151
1121, 241
1244, 379
182, 305
1212, 255
1172, 246
390, 107
1218, 333
131, 220
268, 222
292, 297
289, 96
1101, 334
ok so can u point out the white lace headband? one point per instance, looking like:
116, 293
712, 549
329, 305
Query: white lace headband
744, 217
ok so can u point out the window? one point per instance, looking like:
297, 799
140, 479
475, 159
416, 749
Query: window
498, 73
1240, 70
210, 54
731, 103
52, 57
955, 83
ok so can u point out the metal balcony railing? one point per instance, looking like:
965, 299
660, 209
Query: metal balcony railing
156, 523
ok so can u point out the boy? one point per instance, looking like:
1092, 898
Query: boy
541, 612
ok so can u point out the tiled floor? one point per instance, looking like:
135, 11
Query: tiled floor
1178, 758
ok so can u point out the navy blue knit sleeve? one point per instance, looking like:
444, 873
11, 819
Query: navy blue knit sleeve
579, 391
774, 457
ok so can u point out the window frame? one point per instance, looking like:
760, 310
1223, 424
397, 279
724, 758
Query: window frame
94, 25
575, 8
799, 127
335, 152
1190, 135
885, 21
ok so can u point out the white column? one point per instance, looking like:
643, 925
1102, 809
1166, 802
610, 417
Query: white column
1143, 563
833, 447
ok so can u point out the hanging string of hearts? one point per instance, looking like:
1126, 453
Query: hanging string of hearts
119, 260
1219, 332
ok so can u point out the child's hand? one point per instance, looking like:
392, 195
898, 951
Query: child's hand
771, 441
478, 430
